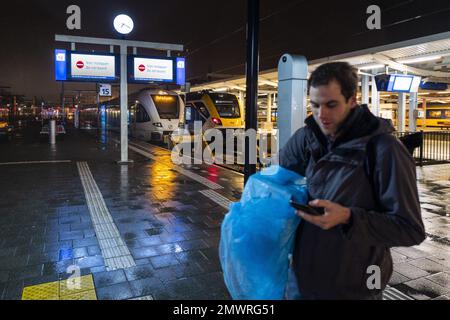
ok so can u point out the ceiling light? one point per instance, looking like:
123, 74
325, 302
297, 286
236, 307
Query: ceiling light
417, 60
221, 89
371, 66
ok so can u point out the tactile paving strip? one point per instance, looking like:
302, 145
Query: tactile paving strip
217, 198
394, 294
113, 248
46, 291
79, 288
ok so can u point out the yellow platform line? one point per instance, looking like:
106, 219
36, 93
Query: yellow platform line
80, 288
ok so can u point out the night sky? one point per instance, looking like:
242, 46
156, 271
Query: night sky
213, 32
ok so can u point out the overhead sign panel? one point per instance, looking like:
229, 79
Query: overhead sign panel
397, 83
156, 70
160, 70
181, 71
60, 65
90, 67
104, 90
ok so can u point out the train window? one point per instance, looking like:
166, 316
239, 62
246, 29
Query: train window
168, 106
228, 110
434, 114
226, 104
141, 114
447, 114
202, 109
188, 113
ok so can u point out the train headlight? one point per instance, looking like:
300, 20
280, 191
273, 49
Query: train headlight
158, 124
181, 125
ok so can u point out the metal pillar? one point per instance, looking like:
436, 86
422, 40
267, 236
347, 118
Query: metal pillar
413, 103
123, 106
62, 101
292, 95
375, 98
401, 113
365, 89
251, 115
241, 97
269, 108
424, 108
52, 132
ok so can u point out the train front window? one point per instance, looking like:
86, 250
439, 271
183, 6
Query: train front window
228, 111
168, 106
227, 105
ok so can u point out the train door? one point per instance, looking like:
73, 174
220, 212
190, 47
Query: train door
142, 124
192, 114
204, 115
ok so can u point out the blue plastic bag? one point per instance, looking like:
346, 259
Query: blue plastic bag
258, 235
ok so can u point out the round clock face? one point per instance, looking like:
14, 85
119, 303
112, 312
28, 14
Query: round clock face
123, 24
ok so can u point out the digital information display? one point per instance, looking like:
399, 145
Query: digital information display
402, 84
78, 66
87, 66
104, 67
398, 83
157, 70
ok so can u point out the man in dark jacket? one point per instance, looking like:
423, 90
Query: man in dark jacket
364, 178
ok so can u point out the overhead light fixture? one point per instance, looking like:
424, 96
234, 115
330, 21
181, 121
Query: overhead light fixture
417, 60
371, 66
220, 89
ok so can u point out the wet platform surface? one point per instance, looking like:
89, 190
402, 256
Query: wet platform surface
151, 229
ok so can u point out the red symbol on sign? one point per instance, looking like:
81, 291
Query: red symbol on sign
142, 68
80, 64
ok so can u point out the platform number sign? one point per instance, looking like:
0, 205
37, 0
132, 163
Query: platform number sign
105, 90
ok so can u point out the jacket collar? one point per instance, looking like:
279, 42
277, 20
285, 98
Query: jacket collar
359, 127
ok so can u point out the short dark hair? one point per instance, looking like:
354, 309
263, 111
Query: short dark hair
342, 72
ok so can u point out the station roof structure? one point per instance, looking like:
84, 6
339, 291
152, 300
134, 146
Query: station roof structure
428, 57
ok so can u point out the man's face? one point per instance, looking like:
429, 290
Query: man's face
329, 107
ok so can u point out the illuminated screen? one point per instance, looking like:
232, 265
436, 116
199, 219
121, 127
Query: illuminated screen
87, 66
402, 84
147, 69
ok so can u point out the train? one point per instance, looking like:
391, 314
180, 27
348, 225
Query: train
153, 115
435, 116
215, 110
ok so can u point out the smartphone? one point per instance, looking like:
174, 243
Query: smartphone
308, 209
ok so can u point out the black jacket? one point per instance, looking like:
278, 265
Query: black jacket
383, 199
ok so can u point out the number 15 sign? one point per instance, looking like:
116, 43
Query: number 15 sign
105, 90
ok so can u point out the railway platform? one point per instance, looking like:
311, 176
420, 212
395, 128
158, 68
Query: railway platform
76, 225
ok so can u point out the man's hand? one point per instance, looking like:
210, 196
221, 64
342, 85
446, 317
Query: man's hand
335, 214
